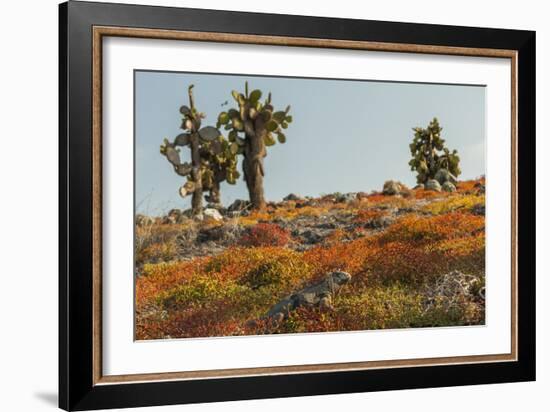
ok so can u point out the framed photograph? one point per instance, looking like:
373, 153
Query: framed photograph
257, 205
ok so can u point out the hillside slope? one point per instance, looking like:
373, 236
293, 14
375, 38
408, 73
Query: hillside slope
416, 259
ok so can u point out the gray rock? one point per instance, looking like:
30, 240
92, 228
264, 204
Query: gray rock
320, 295
142, 220
379, 222
292, 196
312, 237
392, 188
405, 210
218, 206
212, 214
187, 237
309, 236
225, 234
433, 184
239, 205
175, 216
172, 217
480, 187
281, 221
419, 186
175, 212
479, 210
346, 197
308, 202
326, 225
448, 187
443, 175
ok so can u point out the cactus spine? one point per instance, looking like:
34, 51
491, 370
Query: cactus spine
251, 129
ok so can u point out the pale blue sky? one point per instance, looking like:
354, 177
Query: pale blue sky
346, 136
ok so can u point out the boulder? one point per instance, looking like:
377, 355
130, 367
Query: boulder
169, 220
306, 203
432, 184
326, 225
224, 234
480, 187
239, 205
405, 210
345, 197
217, 206
175, 216
311, 236
379, 222
292, 196
479, 210
142, 220
393, 187
448, 187
212, 214
443, 175
174, 212
320, 294
187, 237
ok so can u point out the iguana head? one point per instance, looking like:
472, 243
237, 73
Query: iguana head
340, 278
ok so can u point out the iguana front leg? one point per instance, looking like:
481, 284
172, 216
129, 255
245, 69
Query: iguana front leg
325, 303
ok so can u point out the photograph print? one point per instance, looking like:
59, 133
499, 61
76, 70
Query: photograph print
276, 205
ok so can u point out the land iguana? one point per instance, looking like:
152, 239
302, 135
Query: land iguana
320, 294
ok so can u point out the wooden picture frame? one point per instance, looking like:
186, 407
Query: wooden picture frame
82, 385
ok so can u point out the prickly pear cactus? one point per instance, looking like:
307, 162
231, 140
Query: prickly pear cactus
254, 125
212, 161
429, 153
219, 163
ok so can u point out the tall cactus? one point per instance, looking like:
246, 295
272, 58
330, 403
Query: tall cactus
429, 153
258, 123
212, 159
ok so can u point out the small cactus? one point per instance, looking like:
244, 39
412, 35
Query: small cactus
429, 155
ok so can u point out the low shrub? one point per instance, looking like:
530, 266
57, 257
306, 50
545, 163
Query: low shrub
265, 234
429, 229
157, 252
395, 269
453, 203
155, 278
469, 186
368, 215
272, 273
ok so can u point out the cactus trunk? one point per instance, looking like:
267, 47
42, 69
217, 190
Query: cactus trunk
196, 200
254, 153
215, 196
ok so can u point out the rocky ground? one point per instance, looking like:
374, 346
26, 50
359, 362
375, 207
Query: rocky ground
223, 272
